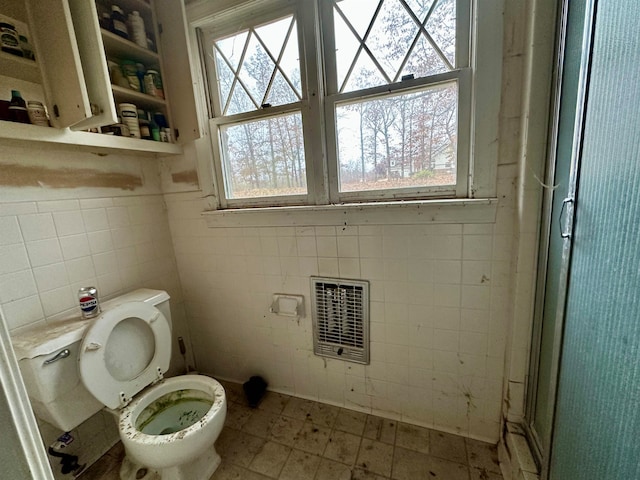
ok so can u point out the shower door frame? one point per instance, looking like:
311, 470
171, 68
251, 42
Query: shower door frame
541, 445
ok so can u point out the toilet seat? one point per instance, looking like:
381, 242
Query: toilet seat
126, 349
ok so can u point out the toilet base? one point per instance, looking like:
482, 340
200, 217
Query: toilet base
199, 469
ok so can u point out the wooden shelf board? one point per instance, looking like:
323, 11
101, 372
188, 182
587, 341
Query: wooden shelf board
119, 48
141, 100
19, 133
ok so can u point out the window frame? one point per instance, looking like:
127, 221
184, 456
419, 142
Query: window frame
225, 25
477, 132
461, 74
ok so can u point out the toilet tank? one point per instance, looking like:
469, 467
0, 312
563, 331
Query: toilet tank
48, 360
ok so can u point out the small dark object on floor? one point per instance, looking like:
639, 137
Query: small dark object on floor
254, 389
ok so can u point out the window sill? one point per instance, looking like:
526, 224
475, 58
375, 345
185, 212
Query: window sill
386, 213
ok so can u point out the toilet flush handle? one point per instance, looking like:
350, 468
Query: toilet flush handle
61, 354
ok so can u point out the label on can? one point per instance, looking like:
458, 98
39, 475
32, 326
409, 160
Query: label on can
89, 303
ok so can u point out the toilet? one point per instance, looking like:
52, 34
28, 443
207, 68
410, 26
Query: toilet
76, 367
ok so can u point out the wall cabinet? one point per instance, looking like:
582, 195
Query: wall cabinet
71, 55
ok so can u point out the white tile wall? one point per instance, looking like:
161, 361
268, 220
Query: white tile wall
439, 324
51, 248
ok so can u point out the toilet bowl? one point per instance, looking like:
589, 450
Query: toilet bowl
118, 359
171, 427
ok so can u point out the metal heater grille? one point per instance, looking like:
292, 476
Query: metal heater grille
340, 318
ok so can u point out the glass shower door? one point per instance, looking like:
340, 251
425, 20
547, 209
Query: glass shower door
597, 422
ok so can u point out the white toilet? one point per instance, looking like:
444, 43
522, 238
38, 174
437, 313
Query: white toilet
74, 368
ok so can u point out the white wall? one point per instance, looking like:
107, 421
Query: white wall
439, 310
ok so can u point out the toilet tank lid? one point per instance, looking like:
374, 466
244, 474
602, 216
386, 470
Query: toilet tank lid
49, 338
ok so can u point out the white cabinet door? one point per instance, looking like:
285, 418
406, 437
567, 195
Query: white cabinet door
94, 64
176, 69
57, 53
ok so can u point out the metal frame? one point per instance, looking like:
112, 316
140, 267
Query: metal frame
543, 446
342, 351
545, 232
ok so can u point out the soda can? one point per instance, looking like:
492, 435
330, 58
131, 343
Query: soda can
89, 303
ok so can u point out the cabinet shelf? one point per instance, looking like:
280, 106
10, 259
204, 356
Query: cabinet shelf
19, 67
23, 134
140, 100
117, 47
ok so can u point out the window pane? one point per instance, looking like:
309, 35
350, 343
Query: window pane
399, 141
378, 46
264, 158
259, 65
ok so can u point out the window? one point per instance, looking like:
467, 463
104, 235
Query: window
331, 101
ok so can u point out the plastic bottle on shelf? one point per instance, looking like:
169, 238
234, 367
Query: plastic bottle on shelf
18, 108
37, 113
130, 71
129, 114
160, 119
138, 32
9, 40
153, 83
140, 70
154, 128
115, 72
119, 22
145, 131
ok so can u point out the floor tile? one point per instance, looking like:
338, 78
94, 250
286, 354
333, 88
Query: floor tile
300, 466
482, 455
226, 437
227, 471
237, 415
324, 415
241, 449
107, 467
447, 446
375, 457
312, 438
410, 465
298, 408
413, 437
285, 429
259, 423
330, 470
342, 447
270, 459
363, 474
380, 429
482, 474
441, 469
350, 421
274, 402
